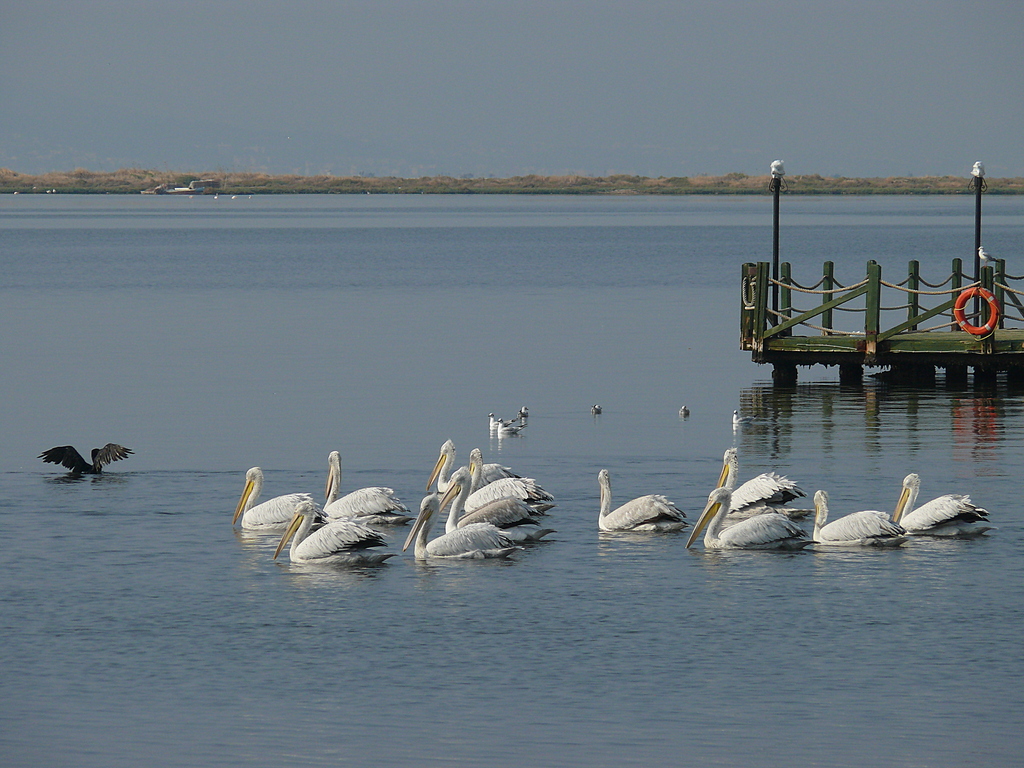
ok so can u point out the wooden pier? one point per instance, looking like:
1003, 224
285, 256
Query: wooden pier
907, 327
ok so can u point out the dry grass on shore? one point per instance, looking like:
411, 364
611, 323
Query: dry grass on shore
135, 180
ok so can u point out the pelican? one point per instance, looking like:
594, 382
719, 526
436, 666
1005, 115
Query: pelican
768, 492
68, 457
766, 531
477, 541
340, 542
375, 504
445, 465
514, 517
271, 514
867, 528
596, 409
491, 472
949, 515
646, 513
524, 488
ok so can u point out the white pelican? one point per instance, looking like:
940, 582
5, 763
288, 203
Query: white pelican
272, 514
480, 540
768, 492
375, 504
525, 488
445, 465
766, 531
489, 472
341, 542
646, 513
867, 528
514, 517
69, 458
596, 409
949, 515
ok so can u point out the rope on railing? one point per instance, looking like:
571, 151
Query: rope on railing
1008, 289
899, 287
934, 285
795, 284
811, 290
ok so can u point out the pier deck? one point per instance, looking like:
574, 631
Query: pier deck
886, 324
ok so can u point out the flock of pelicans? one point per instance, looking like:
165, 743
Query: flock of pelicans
492, 512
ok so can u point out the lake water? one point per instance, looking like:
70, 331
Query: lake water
211, 335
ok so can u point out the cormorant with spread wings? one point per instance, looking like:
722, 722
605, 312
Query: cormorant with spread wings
68, 457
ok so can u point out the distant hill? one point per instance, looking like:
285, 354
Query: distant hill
136, 180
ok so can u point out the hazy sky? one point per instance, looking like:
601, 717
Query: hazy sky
507, 87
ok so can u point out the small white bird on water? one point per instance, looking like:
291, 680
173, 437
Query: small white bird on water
595, 409
684, 411
738, 421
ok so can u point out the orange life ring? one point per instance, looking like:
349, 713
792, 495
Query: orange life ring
993, 311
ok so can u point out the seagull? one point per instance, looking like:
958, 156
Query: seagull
738, 420
68, 457
595, 409
684, 411
982, 254
524, 414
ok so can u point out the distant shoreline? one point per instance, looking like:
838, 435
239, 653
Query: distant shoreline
135, 181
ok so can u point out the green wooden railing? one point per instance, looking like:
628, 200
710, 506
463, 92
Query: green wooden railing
760, 323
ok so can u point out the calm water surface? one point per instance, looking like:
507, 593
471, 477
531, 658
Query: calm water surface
212, 335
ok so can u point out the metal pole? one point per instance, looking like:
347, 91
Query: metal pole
776, 185
978, 184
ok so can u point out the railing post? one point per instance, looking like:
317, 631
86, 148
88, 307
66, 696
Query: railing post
785, 293
748, 303
828, 282
956, 282
999, 281
872, 306
761, 292
913, 298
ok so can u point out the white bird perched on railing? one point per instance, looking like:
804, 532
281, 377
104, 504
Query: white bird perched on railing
983, 254
978, 170
778, 170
